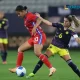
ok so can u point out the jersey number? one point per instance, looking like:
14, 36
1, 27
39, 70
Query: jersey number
60, 35
36, 39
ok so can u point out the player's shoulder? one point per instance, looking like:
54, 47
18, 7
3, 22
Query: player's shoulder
30, 14
71, 29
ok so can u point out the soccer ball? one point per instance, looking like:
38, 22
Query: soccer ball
20, 71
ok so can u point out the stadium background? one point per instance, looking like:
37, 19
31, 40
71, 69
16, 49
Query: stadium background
52, 10
49, 9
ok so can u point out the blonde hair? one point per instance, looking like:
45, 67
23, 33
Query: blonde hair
75, 22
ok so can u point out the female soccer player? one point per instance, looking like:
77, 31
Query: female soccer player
38, 38
3, 37
60, 42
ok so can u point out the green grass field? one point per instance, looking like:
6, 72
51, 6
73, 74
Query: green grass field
63, 71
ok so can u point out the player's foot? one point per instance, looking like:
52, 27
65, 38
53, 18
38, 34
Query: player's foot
13, 70
30, 75
4, 62
52, 70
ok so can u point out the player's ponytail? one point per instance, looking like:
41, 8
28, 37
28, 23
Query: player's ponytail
20, 8
25, 7
76, 21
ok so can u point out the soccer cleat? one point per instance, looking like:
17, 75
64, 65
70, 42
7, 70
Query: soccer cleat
4, 62
13, 70
30, 75
52, 70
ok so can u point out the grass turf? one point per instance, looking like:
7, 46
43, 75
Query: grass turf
63, 71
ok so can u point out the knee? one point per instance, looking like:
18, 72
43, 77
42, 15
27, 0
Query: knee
2, 48
37, 52
19, 49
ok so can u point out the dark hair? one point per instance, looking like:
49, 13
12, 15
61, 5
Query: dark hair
20, 8
69, 17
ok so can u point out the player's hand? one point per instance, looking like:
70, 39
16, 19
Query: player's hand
38, 15
34, 31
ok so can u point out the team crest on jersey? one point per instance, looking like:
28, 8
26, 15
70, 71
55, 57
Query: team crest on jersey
67, 32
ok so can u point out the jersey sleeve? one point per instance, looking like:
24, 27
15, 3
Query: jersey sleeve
57, 25
74, 34
32, 17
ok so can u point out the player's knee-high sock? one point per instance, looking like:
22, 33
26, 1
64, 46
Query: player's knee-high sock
74, 67
4, 55
19, 59
38, 66
45, 60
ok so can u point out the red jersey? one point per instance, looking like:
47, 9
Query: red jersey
29, 23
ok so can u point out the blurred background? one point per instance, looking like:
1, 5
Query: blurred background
53, 10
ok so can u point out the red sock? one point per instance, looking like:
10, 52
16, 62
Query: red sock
45, 60
19, 59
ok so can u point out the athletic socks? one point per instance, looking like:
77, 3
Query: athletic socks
74, 67
19, 59
42, 57
3, 55
45, 60
38, 66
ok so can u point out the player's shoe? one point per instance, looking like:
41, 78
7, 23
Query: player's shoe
30, 75
52, 70
13, 70
4, 62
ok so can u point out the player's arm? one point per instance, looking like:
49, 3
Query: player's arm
35, 21
38, 22
57, 25
44, 20
76, 38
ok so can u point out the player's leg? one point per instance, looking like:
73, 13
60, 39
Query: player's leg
48, 53
69, 61
3, 49
2, 52
43, 58
51, 50
5, 54
40, 63
21, 49
38, 45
